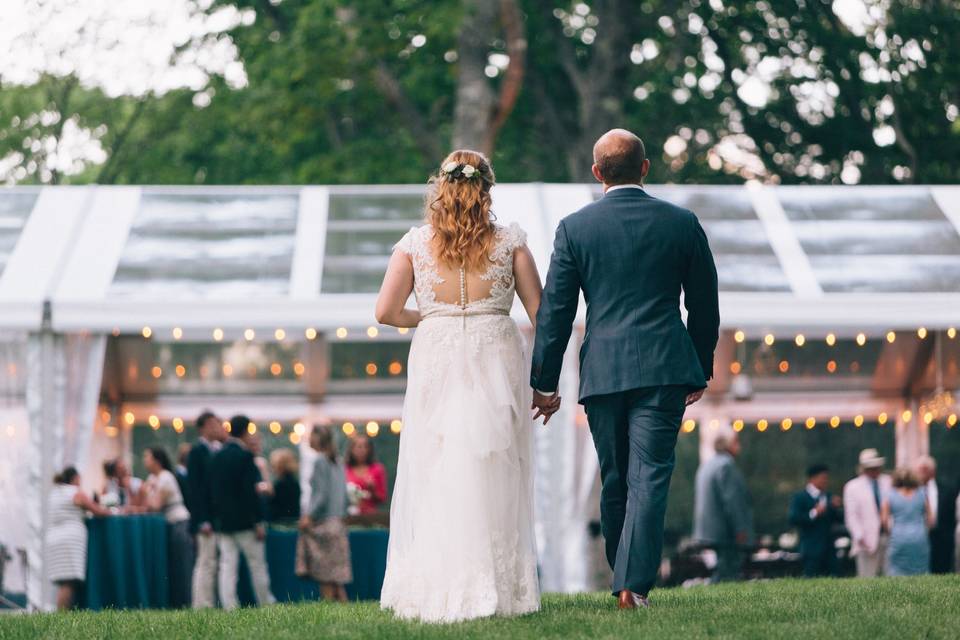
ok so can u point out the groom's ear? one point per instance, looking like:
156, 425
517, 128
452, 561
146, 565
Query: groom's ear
596, 173
645, 168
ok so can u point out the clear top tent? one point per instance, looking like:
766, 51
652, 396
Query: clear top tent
116, 301
238, 257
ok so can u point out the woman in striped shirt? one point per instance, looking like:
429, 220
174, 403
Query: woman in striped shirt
67, 534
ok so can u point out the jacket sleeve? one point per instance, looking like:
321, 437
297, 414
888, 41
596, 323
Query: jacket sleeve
851, 516
799, 515
558, 309
736, 500
253, 478
701, 298
198, 482
319, 488
379, 474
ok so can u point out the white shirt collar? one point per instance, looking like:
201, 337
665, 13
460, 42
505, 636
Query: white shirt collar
623, 186
213, 445
813, 491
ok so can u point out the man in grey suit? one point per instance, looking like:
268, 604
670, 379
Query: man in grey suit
631, 254
722, 514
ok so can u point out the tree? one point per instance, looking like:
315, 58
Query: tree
481, 112
377, 91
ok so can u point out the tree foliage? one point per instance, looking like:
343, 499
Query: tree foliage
376, 91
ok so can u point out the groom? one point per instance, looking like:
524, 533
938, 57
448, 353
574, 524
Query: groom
631, 255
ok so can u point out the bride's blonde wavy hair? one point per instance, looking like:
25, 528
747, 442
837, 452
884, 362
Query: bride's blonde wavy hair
458, 209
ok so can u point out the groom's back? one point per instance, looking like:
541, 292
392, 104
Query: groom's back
630, 246
634, 253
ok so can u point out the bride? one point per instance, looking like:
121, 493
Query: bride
461, 523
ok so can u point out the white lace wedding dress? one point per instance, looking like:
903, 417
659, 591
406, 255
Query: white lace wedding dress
461, 522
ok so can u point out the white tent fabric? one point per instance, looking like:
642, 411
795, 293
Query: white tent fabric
566, 468
63, 388
14, 440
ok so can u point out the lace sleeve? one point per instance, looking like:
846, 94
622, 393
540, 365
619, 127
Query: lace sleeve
514, 237
406, 242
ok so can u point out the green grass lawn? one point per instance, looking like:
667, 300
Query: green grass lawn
907, 608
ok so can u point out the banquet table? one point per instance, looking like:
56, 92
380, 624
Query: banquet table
368, 557
127, 564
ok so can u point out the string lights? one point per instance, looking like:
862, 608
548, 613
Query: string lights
372, 427
786, 424
939, 409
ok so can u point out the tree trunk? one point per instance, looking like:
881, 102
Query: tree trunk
599, 84
480, 111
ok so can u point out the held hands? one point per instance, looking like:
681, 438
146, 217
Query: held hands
306, 523
261, 532
545, 406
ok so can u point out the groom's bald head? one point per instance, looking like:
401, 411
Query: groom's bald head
619, 158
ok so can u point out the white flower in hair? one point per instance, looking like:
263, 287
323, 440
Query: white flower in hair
469, 170
450, 167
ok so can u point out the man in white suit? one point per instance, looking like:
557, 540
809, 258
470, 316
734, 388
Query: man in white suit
861, 513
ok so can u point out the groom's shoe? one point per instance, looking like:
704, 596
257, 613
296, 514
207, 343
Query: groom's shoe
630, 600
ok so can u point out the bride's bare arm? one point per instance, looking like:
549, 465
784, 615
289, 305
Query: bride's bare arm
527, 281
394, 293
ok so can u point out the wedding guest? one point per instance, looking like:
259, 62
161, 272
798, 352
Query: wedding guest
66, 535
238, 515
162, 495
199, 497
861, 501
814, 511
723, 515
323, 549
180, 471
255, 442
906, 514
956, 536
941, 499
121, 488
285, 502
366, 477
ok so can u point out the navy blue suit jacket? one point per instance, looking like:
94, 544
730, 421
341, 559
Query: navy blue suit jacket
631, 254
816, 534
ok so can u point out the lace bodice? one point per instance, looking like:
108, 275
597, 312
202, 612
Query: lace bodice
428, 277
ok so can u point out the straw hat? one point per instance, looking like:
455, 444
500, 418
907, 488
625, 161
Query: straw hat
870, 459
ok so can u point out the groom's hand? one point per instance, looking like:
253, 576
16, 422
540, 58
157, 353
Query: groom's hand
545, 405
693, 397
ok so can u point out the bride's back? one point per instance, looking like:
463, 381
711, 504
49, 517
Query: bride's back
460, 257
461, 286
488, 283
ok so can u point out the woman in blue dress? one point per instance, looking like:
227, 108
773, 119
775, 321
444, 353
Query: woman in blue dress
906, 515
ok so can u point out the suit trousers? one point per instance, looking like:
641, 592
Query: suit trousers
729, 563
180, 561
871, 565
635, 433
205, 572
820, 562
231, 544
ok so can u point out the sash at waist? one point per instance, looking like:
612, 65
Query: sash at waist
457, 312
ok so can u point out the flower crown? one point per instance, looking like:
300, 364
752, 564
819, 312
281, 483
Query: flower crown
455, 170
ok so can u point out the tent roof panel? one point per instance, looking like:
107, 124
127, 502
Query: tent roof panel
190, 256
